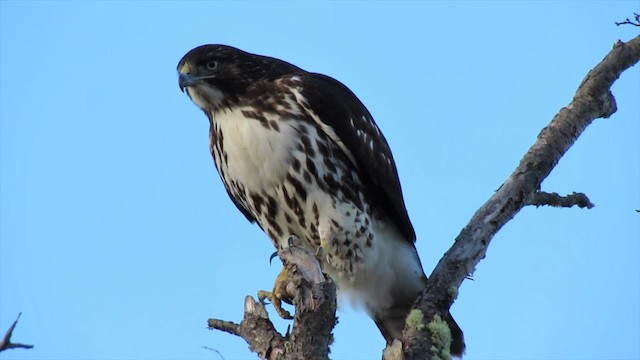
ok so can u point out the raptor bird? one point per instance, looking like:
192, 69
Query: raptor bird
301, 156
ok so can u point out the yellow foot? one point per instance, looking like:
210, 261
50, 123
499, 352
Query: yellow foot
278, 295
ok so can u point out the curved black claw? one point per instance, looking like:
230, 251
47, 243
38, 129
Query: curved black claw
272, 256
291, 240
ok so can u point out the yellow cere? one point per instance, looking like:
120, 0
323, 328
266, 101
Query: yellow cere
185, 69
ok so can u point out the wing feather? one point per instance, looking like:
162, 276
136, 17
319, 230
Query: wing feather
343, 117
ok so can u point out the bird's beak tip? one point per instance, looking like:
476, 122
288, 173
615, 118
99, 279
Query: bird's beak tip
184, 80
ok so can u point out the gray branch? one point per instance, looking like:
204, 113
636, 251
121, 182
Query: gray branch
315, 298
6, 341
592, 100
541, 198
256, 329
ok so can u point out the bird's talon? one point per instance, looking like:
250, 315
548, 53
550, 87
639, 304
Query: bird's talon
276, 296
276, 301
271, 257
264, 295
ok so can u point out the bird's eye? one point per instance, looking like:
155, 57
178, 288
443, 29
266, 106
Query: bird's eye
211, 65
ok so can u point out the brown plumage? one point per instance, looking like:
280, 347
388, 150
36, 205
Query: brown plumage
300, 155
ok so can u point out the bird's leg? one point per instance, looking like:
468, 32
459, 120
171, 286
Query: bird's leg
278, 294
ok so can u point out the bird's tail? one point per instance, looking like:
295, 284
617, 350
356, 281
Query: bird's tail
392, 323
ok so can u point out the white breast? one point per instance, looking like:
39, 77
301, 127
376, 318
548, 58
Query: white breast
258, 155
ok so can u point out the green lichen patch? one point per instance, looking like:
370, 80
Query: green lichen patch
415, 320
440, 338
453, 292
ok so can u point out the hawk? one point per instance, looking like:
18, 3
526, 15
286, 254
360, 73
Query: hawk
301, 156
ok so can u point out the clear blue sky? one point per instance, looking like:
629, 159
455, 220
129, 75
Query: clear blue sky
118, 241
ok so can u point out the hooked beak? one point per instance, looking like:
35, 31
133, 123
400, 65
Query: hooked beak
186, 80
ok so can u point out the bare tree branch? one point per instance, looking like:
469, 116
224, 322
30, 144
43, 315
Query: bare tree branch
626, 21
229, 326
256, 329
541, 198
592, 100
6, 341
315, 298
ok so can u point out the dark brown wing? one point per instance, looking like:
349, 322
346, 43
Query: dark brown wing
341, 112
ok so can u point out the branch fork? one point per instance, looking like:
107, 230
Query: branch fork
314, 296
592, 100
6, 343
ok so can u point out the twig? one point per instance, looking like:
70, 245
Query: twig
256, 329
226, 326
592, 100
541, 198
6, 341
215, 351
629, 22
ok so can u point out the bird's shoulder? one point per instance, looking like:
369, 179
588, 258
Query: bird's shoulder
340, 114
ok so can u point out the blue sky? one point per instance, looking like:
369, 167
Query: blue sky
117, 240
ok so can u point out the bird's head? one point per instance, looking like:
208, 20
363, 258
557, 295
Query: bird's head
217, 76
